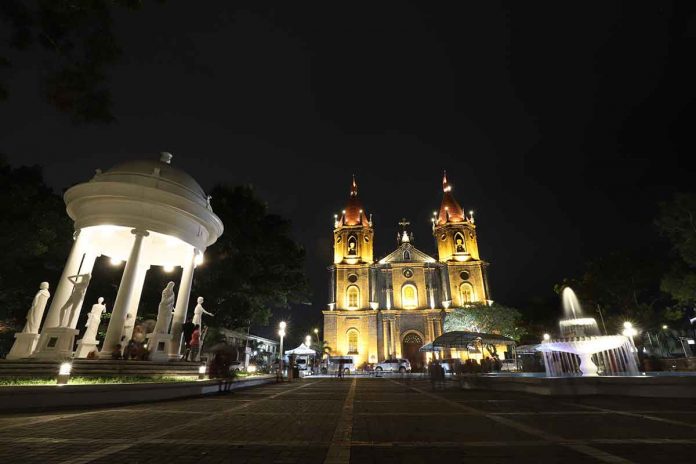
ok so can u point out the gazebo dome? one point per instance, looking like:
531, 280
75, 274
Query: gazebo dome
155, 173
149, 195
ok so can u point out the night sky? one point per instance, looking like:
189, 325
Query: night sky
562, 125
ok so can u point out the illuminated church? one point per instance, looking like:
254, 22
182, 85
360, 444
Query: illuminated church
390, 308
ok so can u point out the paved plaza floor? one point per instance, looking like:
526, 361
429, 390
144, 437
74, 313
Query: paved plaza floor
366, 420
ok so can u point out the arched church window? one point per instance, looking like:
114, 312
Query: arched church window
352, 297
352, 341
352, 245
467, 293
407, 255
409, 296
459, 243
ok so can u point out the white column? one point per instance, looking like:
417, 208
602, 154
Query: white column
124, 296
135, 302
182, 301
87, 268
64, 286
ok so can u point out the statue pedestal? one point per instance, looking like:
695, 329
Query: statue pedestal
85, 347
158, 345
56, 343
24, 345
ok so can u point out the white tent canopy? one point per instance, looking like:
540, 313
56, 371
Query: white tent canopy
301, 350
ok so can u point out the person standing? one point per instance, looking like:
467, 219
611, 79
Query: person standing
187, 329
195, 342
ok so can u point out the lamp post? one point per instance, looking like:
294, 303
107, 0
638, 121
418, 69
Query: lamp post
281, 333
547, 337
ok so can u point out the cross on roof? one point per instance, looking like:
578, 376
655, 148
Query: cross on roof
404, 223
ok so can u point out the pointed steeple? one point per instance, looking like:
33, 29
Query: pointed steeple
353, 214
450, 211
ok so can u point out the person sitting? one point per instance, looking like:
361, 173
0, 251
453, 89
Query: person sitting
116, 354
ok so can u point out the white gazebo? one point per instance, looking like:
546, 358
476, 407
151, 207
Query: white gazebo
146, 213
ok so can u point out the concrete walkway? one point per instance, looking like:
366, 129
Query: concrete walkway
361, 421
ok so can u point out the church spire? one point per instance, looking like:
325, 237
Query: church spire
354, 214
446, 187
450, 211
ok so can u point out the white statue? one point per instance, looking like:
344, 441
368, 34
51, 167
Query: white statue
93, 321
198, 313
165, 310
35, 313
80, 283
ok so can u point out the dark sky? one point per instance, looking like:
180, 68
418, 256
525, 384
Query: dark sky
562, 125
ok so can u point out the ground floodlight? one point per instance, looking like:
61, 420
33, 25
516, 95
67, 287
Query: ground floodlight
64, 373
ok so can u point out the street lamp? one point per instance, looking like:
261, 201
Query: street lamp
281, 334
547, 337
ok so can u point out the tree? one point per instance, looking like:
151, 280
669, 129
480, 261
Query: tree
321, 347
677, 222
255, 266
36, 235
625, 285
479, 317
75, 40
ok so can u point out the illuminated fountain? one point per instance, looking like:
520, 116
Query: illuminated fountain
581, 347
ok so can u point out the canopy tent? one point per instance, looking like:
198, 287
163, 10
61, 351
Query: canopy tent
461, 340
302, 350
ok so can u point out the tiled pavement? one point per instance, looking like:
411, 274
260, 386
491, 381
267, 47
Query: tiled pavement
361, 421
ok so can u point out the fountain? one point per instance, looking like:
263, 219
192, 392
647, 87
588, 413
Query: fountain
581, 347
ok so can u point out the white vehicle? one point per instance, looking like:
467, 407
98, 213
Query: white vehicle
335, 363
394, 365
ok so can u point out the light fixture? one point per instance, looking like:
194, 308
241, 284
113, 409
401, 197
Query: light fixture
64, 373
547, 337
664, 327
116, 261
201, 372
627, 325
282, 325
251, 368
316, 331
168, 268
308, 340
198, 260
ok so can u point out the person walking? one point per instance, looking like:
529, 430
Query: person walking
195, 342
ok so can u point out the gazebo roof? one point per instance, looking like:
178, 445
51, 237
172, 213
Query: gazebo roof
462, 339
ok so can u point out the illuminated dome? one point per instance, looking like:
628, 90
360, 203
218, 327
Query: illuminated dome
354, 214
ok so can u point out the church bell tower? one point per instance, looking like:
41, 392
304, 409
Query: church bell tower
457, 246
353, 255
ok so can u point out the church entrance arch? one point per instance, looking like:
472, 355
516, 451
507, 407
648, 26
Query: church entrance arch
412, 342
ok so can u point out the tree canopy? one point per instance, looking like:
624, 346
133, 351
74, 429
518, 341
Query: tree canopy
36, 235
76, 44
625, 285
480, 317
254, 267
677, 222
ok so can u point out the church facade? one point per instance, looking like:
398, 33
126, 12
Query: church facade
391, 307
